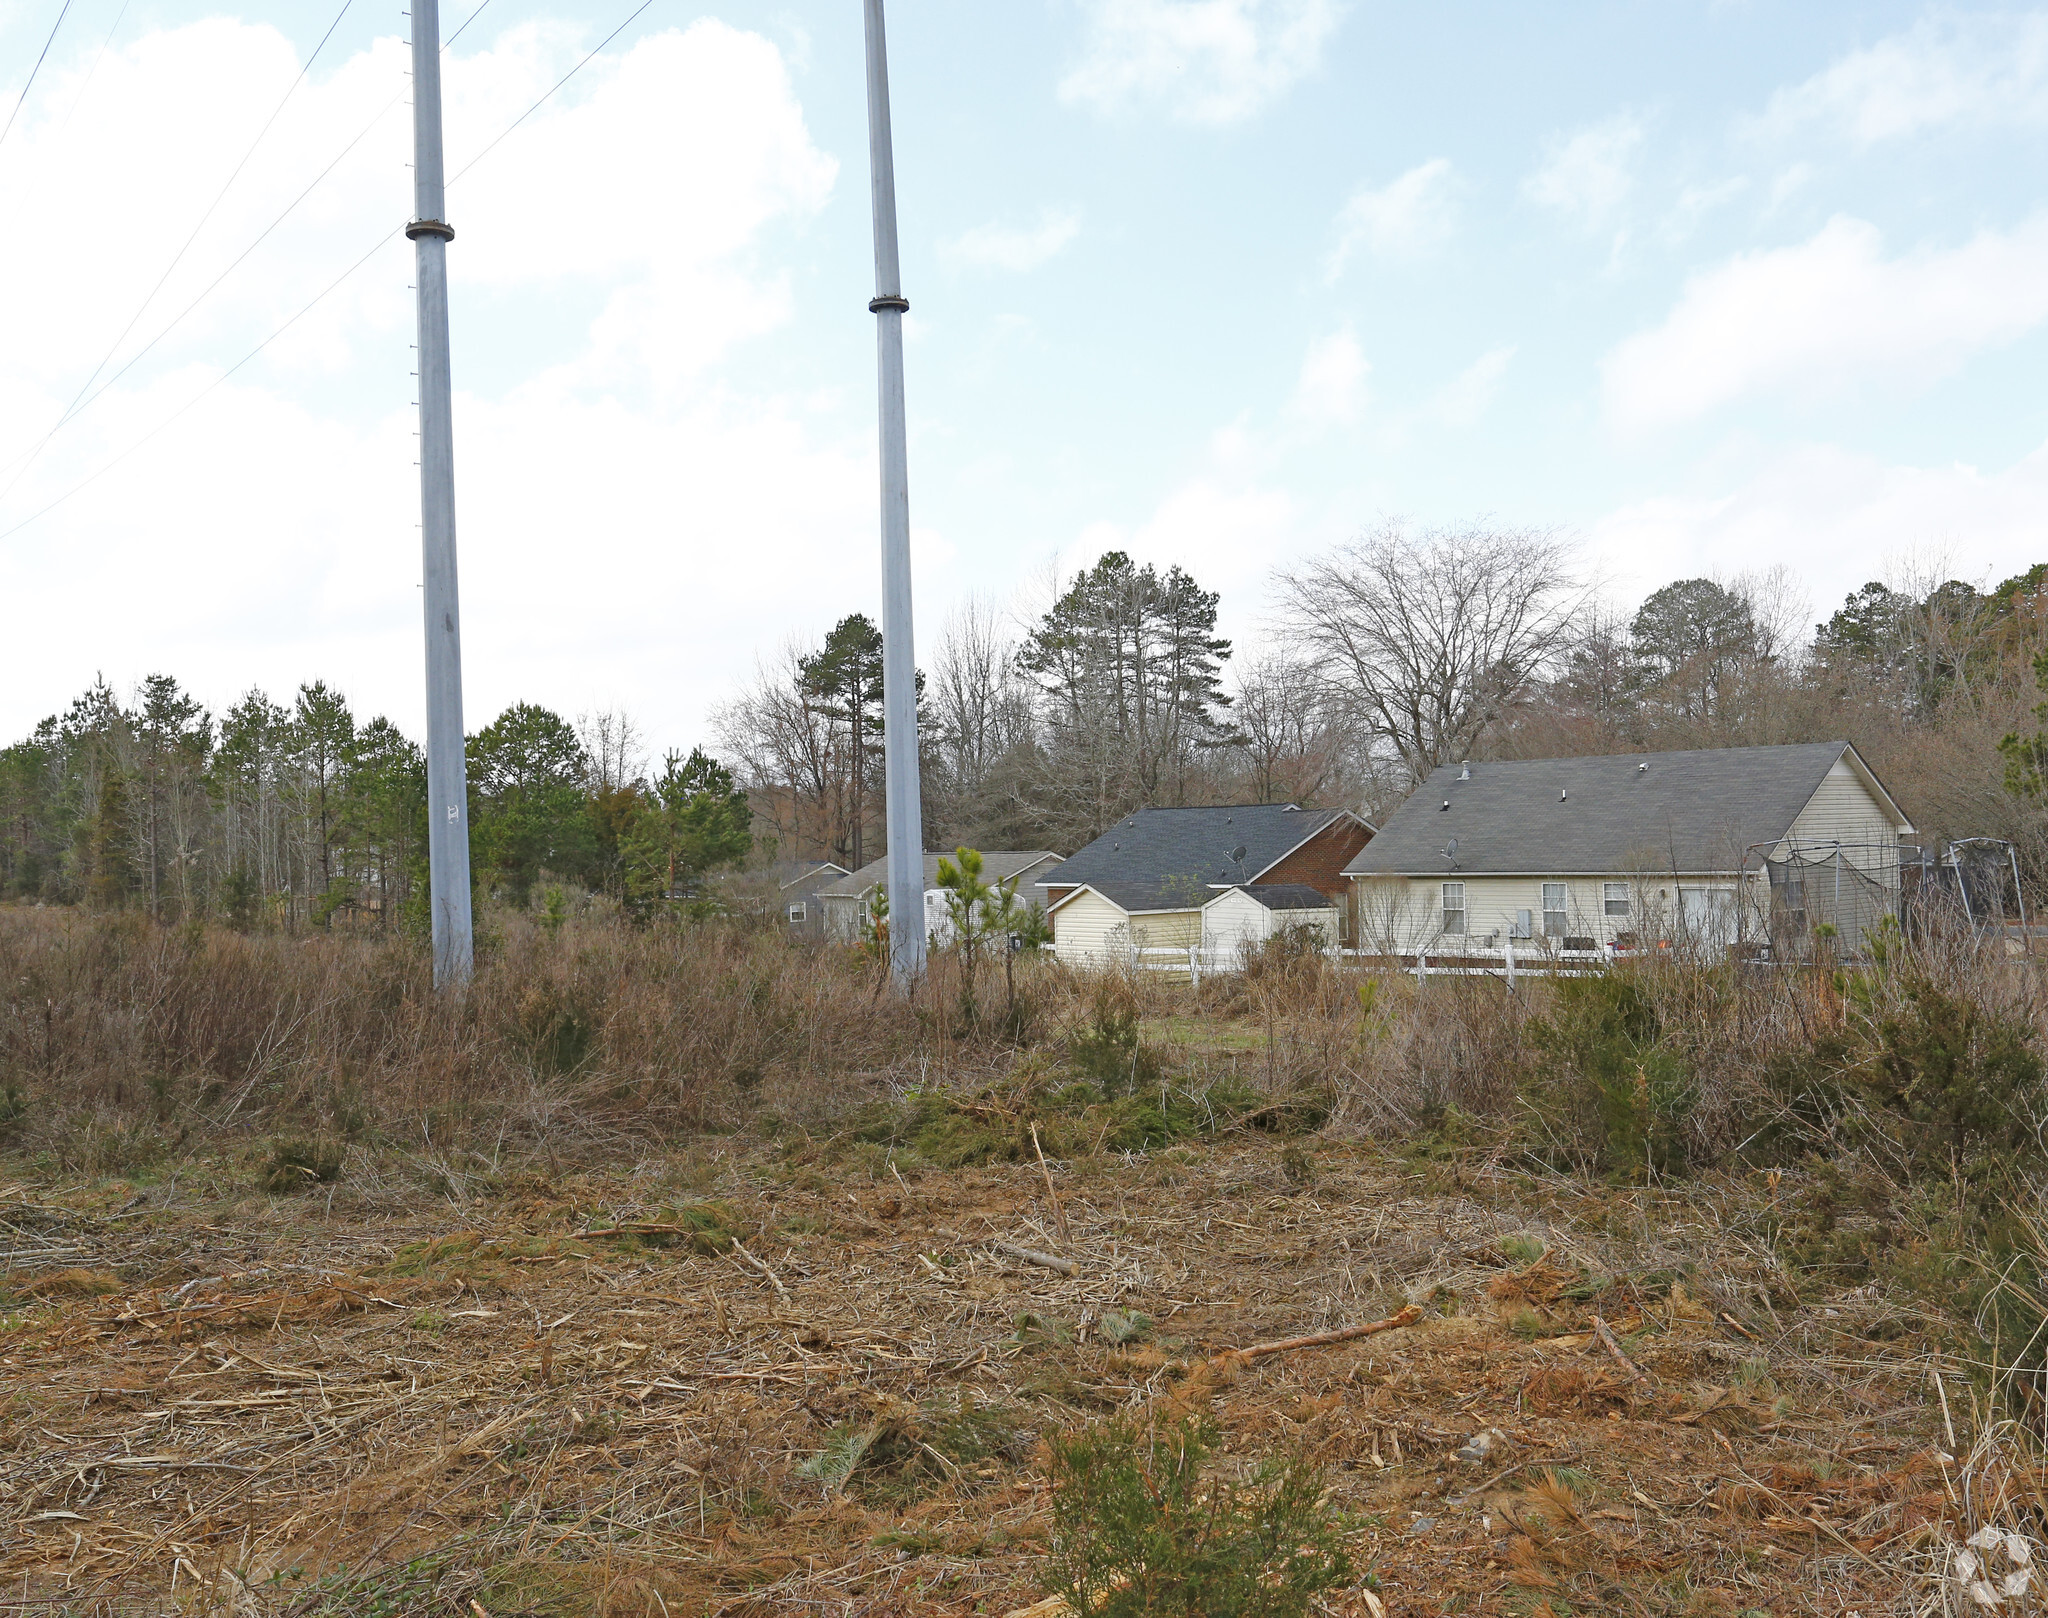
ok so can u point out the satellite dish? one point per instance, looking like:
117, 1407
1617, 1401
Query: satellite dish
1450, 852
1239, 852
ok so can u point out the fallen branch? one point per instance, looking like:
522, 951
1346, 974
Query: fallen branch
1612, 1344
1322, 1339
774, 1280
1031, 1255
1059, 1214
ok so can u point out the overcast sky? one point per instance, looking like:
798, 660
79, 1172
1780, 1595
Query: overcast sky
1710, 287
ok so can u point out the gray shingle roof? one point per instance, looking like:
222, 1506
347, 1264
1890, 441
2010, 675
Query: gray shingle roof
1690, 811
997, 865
1171, 859
1288, 895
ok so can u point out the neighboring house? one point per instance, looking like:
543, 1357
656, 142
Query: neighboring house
846, 900
1147, 882
1239, 918
1719, 846
796, 886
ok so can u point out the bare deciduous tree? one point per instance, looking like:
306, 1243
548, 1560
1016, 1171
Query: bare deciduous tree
1427, 637
1289, 734
980, 711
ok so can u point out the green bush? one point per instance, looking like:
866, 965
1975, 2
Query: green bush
1139, 1527
1936, 1086
1109, 1051
1607, 1083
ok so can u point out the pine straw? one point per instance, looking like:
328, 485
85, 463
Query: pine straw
537, 1423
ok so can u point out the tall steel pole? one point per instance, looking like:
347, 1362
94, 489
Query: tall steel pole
905, 812
447, 784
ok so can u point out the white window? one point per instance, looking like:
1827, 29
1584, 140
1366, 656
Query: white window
1454, 907
796, 913
1555, 917
1615, 898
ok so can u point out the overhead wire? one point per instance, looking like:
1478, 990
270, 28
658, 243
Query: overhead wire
81, 402
178, 258
22, 99
333, 285
85, 84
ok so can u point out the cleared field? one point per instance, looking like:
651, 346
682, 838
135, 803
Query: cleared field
781, 1378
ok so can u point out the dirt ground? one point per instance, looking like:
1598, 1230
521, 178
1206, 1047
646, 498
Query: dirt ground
569, 1392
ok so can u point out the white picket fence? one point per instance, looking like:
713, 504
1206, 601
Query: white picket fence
1505, 962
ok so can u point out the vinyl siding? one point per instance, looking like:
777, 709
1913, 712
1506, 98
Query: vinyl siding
1090, 931
1174, 929
1404, 914
1843, 810
1082, 930
1232, 920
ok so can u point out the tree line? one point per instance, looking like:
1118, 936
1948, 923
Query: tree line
1389, 656
303, 815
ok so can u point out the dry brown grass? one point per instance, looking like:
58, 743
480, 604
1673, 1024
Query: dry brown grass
395, 1403
116, 1033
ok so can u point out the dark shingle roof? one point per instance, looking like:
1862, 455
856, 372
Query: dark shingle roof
1690, 811
1172, 859
1288, 895
997, 865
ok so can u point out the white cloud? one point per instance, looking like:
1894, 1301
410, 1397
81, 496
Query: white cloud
269, 535
1332, 383
1695, 202
1008, 247
1828, 315
1836, 516
1588, 176
1406, 218
1206, 61
1225, 532
1947, 69
1461, 401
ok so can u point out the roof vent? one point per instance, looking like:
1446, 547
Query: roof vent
1447, 804
1115, 847
1562, 794
1640, 768
1465, 771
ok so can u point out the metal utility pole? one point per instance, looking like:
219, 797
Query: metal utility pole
447, 784
905, 811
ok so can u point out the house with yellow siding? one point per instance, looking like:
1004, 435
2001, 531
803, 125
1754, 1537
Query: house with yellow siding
1148, 882
1714, 847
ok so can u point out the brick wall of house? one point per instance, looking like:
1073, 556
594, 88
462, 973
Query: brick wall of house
1320, 862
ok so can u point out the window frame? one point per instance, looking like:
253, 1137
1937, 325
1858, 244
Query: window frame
1445, 910
1562, 913
1613, 894
799, 913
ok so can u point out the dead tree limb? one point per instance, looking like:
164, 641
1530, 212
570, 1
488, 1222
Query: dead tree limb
1612, 1344
1323, 1339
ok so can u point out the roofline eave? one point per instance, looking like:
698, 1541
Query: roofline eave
1311, 837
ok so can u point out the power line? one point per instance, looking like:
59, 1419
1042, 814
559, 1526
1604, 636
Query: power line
32, 72
203, 392
80, 402
325, 292
179, 257
81, 405
120, 17
472, 17
564, 79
